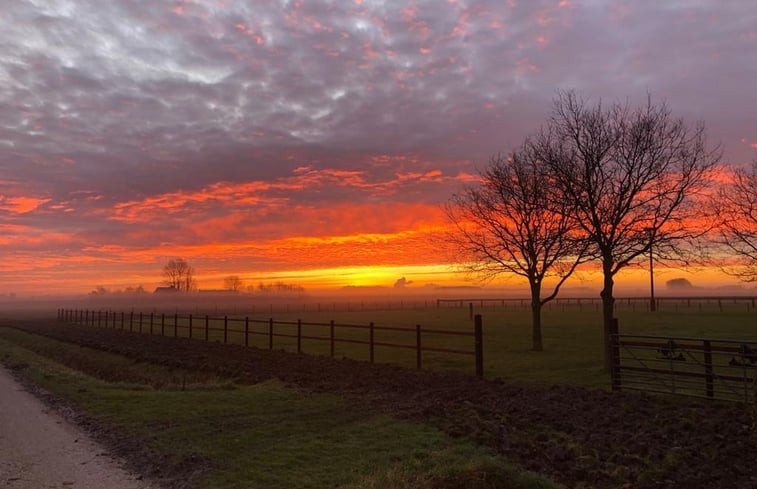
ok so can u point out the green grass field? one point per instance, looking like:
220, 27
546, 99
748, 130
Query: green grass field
572, 335
266, 435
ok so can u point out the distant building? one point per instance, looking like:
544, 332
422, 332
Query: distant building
166, 290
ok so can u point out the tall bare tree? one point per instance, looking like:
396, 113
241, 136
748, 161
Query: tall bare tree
737, 204
631, 177
179, 274
233, 282
510, 223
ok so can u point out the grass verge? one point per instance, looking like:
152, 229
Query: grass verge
216, 433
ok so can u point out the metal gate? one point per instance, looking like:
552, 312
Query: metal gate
699, 367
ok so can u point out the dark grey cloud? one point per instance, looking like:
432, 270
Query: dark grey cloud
146, 84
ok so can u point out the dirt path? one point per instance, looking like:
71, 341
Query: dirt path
39, 449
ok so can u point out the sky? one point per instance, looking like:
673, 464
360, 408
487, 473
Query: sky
313, 142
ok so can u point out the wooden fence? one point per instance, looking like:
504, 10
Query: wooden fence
700, 367
225, 327
667, 303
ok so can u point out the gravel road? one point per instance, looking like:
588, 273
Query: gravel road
40, 450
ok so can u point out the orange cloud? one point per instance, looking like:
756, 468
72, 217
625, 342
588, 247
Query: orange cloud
21, 205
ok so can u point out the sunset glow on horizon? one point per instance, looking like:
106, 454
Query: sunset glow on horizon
315, 143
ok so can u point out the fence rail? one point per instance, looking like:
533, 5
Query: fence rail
700, 367
235, 329
666, 303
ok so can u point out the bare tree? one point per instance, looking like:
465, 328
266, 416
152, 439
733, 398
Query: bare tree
631, 177
179, 274
510, 223
233, 282
737, 204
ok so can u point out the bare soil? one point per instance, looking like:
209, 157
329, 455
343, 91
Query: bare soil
579, 437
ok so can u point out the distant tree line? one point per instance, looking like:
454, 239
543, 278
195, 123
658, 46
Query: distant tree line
236, 284
180, 275
102, 291
606, 183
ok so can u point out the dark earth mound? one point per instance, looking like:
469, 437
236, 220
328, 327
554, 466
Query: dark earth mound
576, 436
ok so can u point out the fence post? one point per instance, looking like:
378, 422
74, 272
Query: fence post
370, 339
162, 324
131, 321
190, 326
151, 322
479, 343
331, 336
470, 310
299, 336
708, 380
225, 329
418, 345
207, 321
140, 322
99, 318
175, 325
122, 320
270, 333
86, 317
615, 379
247, 331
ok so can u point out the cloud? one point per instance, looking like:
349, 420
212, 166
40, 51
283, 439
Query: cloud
154, 124
20, 205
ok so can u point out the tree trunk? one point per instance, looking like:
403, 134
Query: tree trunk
608, 308
536, 317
